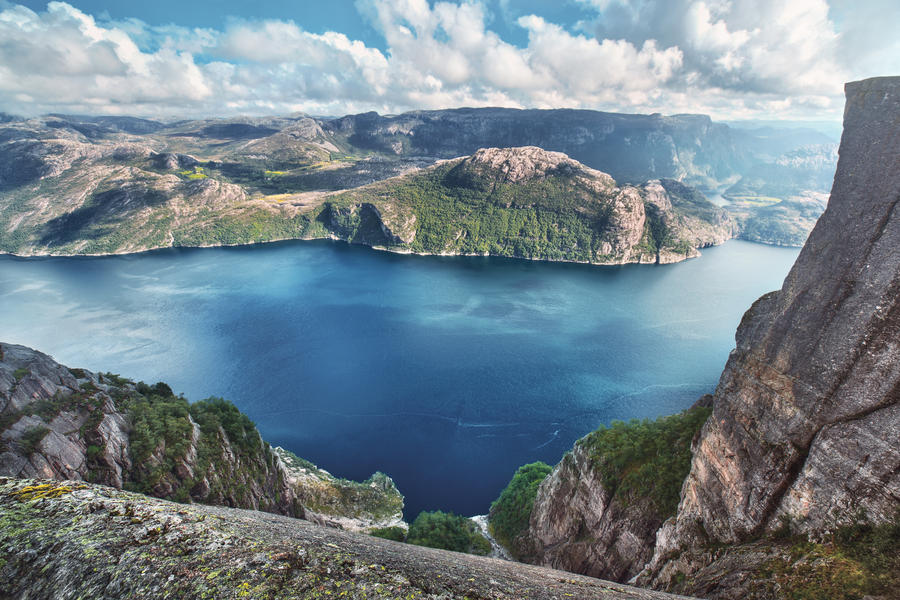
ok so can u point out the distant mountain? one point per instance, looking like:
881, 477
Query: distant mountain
779, 202
96, 185
530, 203
631, 148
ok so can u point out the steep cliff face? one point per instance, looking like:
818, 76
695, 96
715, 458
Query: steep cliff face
792, 487
63, 423
806, 416
598, 511
578, 526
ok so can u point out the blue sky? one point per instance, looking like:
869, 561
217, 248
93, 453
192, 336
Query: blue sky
317, 16
733, 59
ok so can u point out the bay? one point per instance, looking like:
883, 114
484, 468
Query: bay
446, 373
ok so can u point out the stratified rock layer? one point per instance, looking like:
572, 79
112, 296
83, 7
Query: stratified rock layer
806, 419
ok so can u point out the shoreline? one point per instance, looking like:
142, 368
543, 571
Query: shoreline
398, 251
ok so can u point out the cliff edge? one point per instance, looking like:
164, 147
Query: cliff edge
62, 423
76, 540
791, 488
806, 419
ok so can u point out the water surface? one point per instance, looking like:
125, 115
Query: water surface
445, 373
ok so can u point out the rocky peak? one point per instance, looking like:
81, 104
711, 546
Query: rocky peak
515, 165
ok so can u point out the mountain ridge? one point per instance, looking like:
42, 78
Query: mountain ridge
74, 181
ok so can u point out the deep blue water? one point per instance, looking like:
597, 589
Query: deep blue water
445, 373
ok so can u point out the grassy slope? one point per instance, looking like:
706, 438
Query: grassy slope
558, 217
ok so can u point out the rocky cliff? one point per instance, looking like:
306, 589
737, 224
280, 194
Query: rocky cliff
75, 540
794, 486
598, 511
806, 416
73, 424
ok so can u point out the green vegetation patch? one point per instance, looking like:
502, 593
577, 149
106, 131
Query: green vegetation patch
449, 532
32, 437
511, 512
855, 561
214, 413
398, 534
195, 173
247, 227
457, 210
646, 459
159, 420
162, 434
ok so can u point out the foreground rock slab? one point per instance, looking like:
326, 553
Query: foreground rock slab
76, 540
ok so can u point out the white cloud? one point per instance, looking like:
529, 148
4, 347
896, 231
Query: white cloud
750, 46
729, 58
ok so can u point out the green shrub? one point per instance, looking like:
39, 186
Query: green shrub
511, 511
447, 531
158, 421
114, 378
157, 389
19, 374
855, 561
646, 459
398, 534
32, 437
212, 413
93, 451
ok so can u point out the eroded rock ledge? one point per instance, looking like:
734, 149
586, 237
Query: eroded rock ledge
74, 540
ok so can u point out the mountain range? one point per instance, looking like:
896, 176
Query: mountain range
101, 185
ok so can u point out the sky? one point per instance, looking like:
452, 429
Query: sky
731, 59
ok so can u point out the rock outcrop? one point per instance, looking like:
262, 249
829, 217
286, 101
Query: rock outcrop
515, 165
598, 511
71, 540
577, 525
73, 424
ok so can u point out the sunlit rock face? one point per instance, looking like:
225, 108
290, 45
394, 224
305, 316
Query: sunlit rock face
806, 419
